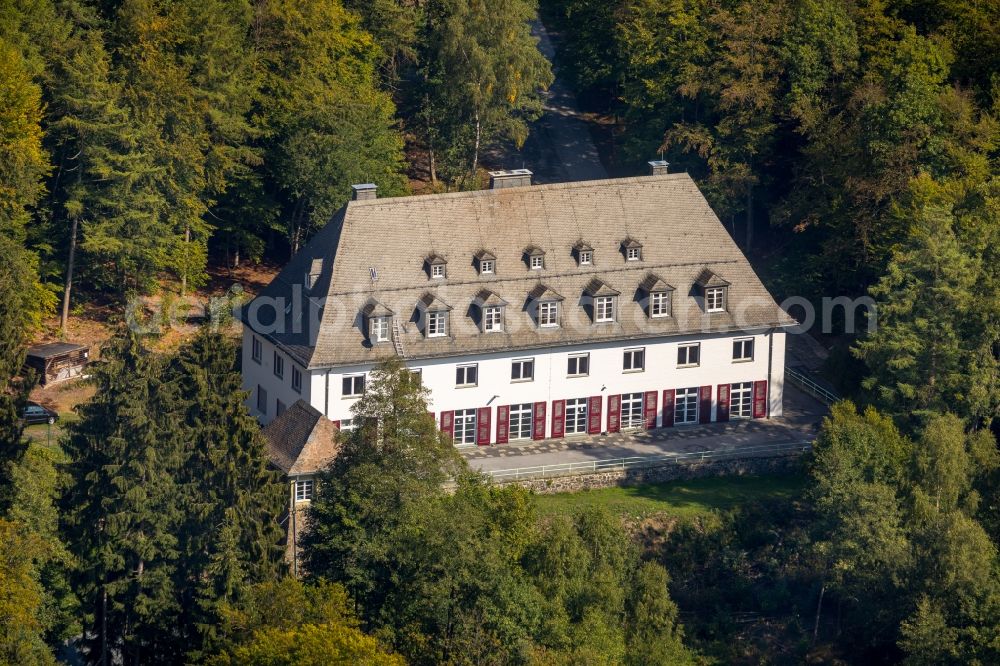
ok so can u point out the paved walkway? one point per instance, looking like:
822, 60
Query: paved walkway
559, 148
802, 415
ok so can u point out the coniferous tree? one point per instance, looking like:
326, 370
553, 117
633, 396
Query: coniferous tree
121, 509
230, 536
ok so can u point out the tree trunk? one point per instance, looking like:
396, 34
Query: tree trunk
104, 624
184, 273
69, 277
819, 608
475, 150
749, 217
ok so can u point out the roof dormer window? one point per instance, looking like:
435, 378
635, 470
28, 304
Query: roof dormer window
434, 313
437, 267
312, 275
632, 249
535, 257
584, 254
603, 301
658, 294
546, 306
379, 321
715, 299
714, 291
486, 262
491, 311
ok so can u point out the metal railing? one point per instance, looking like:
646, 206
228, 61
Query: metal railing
805, 383
635, 462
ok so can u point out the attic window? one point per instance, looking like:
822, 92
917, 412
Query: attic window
632, 249
312, 275
584, 253
435, 313
535, 257
658, 296
486, 262
714, 290
437, 267
715, 299
491, 311
379, 329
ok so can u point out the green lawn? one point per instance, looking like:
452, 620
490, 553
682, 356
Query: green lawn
40, 433
680, 499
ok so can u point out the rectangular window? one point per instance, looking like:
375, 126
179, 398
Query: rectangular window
255, 349
465, 426
578, 365
437, 324
631, 416
279, 408
493, 319
743, 349
347, 425
520, 421
688, 355
380, 329
548, 313
585, 257
279, 365
485, 266
261, 399
633, 253
741, 400
522, 370
686, 406
634, 360
417, 376
437, 270
466, 375
303, 490
659, 304
296, 380
353, 386
715, 299
537, 262
604, 309
576, 416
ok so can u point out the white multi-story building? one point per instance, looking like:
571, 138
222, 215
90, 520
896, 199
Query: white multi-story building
529, 312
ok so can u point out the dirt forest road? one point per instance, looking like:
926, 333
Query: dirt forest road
559, 148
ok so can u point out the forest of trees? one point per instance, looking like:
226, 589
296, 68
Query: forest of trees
139, 138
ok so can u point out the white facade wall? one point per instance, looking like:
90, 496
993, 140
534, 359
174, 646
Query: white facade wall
495, 388
261, 374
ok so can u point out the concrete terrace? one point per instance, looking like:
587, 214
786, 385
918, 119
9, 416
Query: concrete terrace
801, 420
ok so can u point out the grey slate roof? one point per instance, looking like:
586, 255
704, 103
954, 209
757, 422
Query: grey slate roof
301, 440
680, 235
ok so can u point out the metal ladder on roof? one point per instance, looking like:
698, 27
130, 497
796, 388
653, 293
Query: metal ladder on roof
397, 339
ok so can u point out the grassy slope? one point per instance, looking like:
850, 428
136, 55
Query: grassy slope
679, 499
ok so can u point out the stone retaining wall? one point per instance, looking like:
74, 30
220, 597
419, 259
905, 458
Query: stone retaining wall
671, 471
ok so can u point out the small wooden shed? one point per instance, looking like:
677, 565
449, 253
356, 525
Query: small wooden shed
57, 361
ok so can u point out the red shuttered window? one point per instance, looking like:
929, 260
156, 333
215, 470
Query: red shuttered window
706, 405
483, 426
539, 416
503, 414
558, 418
760, 399
594, 416
722, 411
448, 423
668, 408
649, 409
614, 413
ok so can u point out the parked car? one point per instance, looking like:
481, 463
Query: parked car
35, 413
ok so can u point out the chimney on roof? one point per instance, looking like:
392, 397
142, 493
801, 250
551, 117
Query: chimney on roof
658, 167
503, 179
364, 191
